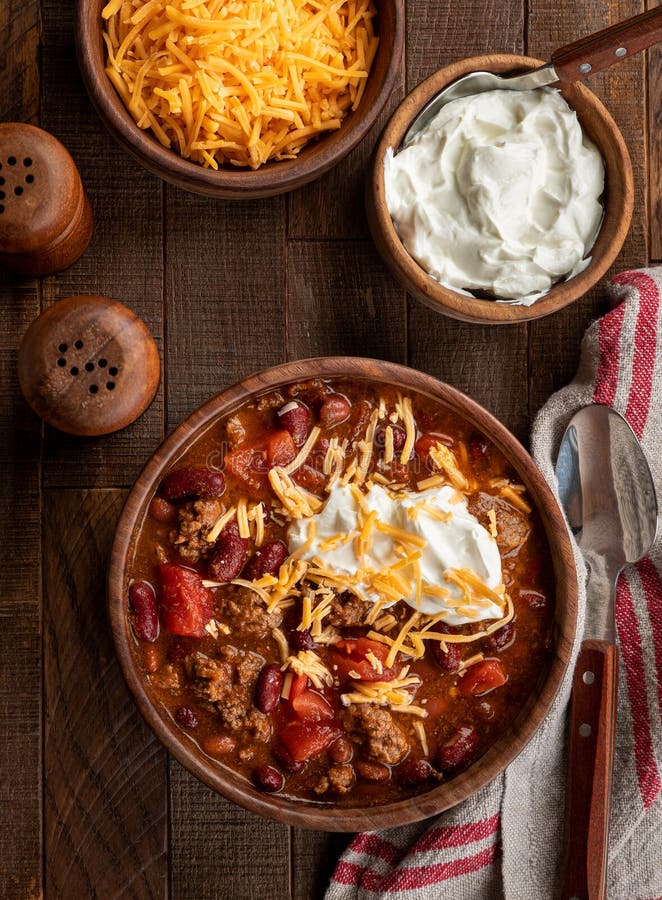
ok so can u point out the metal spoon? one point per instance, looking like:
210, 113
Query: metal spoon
573, 62
607, 491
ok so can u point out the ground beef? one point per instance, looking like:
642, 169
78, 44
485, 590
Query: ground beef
373, 728
274, 400
312, 391
512, 529
245, 613
196, 519
339, 779
168, 678
228, 685
235, 431
347, 610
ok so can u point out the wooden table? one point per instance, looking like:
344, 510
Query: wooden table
92, 805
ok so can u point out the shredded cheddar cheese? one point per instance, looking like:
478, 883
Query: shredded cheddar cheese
239, 81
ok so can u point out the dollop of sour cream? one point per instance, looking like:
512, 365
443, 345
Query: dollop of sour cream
499, 194
460, 542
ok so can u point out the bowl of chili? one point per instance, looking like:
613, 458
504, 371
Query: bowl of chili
342, 594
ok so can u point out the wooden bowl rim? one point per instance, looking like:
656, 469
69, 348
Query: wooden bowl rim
269, 180
416, 279
301, 813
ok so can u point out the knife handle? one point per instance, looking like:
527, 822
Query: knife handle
598, 51
590, 774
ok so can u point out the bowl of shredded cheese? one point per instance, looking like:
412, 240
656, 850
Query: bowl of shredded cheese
239, 98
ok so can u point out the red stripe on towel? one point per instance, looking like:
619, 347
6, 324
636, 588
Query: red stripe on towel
645, 342
375, 846
628, 630
609, 343
651, 581
456, 835
423, 876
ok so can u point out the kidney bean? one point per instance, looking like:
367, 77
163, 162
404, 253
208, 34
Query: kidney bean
162, 510
372, 771
309, 478
295, 418
218, 744
334, 410
186, 717
267, 690
297, 638
286, 759
341, 751
176, 653
399, 437
458, 750
230, 555
449, 660
192, 481
266, 561
142, 598
534, 599
268, 779
503, 637
358, 422
414, 771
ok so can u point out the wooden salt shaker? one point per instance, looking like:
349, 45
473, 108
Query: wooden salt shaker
45, 216
88, 366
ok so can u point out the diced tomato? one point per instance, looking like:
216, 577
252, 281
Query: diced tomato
482, 678
308, 704
304, 740
186, 605
280, 449
350, 660
426, 442
250, 462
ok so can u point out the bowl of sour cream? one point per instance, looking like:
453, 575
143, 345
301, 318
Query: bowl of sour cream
508, 205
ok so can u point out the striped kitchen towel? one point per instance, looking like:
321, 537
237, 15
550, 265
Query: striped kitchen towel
506, 840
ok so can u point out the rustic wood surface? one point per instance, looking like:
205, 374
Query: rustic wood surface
96, 808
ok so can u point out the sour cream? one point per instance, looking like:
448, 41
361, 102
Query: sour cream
461, 542
500, 194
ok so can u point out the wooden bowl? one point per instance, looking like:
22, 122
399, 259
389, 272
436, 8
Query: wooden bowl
222, 779
618, 200
229, 182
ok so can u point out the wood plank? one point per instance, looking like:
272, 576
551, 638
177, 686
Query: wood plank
225, 311
219, 850
20, 508
315, 854
555, 341
224, 294
342, 301
333, 206
124, 260
489, 364
654, 168
105, 799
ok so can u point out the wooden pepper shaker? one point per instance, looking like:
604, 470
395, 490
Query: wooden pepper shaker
88, 366
45, 216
